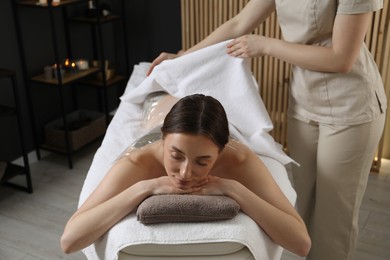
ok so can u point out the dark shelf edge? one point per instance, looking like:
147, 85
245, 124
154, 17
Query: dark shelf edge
68, 79
104, 19
36, 4
99, 83
63, 151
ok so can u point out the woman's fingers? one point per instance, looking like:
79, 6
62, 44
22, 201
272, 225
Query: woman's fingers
156, 61
214, 186
165, 185
236, 49
247, 46
163, 56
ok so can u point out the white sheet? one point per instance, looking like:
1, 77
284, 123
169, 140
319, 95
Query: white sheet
250, 123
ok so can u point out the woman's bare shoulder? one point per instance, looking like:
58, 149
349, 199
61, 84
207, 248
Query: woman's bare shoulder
234, 156
245, 166
146, 159
238, 150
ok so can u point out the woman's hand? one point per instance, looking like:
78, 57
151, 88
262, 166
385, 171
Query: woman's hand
163, 56
211, 185
247, 46
215, 186
165, 185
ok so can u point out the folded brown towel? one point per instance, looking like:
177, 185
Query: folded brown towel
186, 208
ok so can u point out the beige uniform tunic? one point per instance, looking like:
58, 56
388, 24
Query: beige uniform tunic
332, 98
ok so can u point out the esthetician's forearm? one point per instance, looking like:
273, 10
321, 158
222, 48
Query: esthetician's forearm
347, 39
246, 21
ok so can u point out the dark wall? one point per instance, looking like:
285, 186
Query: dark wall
151, 26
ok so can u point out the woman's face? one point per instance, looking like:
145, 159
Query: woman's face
188, 158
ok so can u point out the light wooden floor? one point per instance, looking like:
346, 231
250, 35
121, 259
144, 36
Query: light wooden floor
31, 224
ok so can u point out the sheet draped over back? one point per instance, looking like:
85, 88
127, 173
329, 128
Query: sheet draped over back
209, 71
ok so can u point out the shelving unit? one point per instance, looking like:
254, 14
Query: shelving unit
13, 170
84, 77
67, 79
96, 24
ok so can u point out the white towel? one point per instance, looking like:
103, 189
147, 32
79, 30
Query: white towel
209, 71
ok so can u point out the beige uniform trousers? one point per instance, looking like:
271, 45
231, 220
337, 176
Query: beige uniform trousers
335, 162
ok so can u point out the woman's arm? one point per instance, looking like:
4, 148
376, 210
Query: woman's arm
124, 187
348, 36
248, 19
275, 216
121, 190
259, 196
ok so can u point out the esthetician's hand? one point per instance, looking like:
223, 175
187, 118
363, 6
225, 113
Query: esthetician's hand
163, 56
247, 46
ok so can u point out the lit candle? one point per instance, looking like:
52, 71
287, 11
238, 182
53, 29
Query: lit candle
66, 63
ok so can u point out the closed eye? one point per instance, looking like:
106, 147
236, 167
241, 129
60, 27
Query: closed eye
176, 156
202, 163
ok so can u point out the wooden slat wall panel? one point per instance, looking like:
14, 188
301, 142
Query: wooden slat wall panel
201, 17
381, 53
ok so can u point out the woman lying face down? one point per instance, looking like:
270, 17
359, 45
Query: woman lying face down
194, 156
193, 139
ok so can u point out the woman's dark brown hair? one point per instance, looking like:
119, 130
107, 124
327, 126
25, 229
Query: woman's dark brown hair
198, 114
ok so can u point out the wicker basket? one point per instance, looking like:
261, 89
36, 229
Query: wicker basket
84, 126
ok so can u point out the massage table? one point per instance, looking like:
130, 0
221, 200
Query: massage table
211, 72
